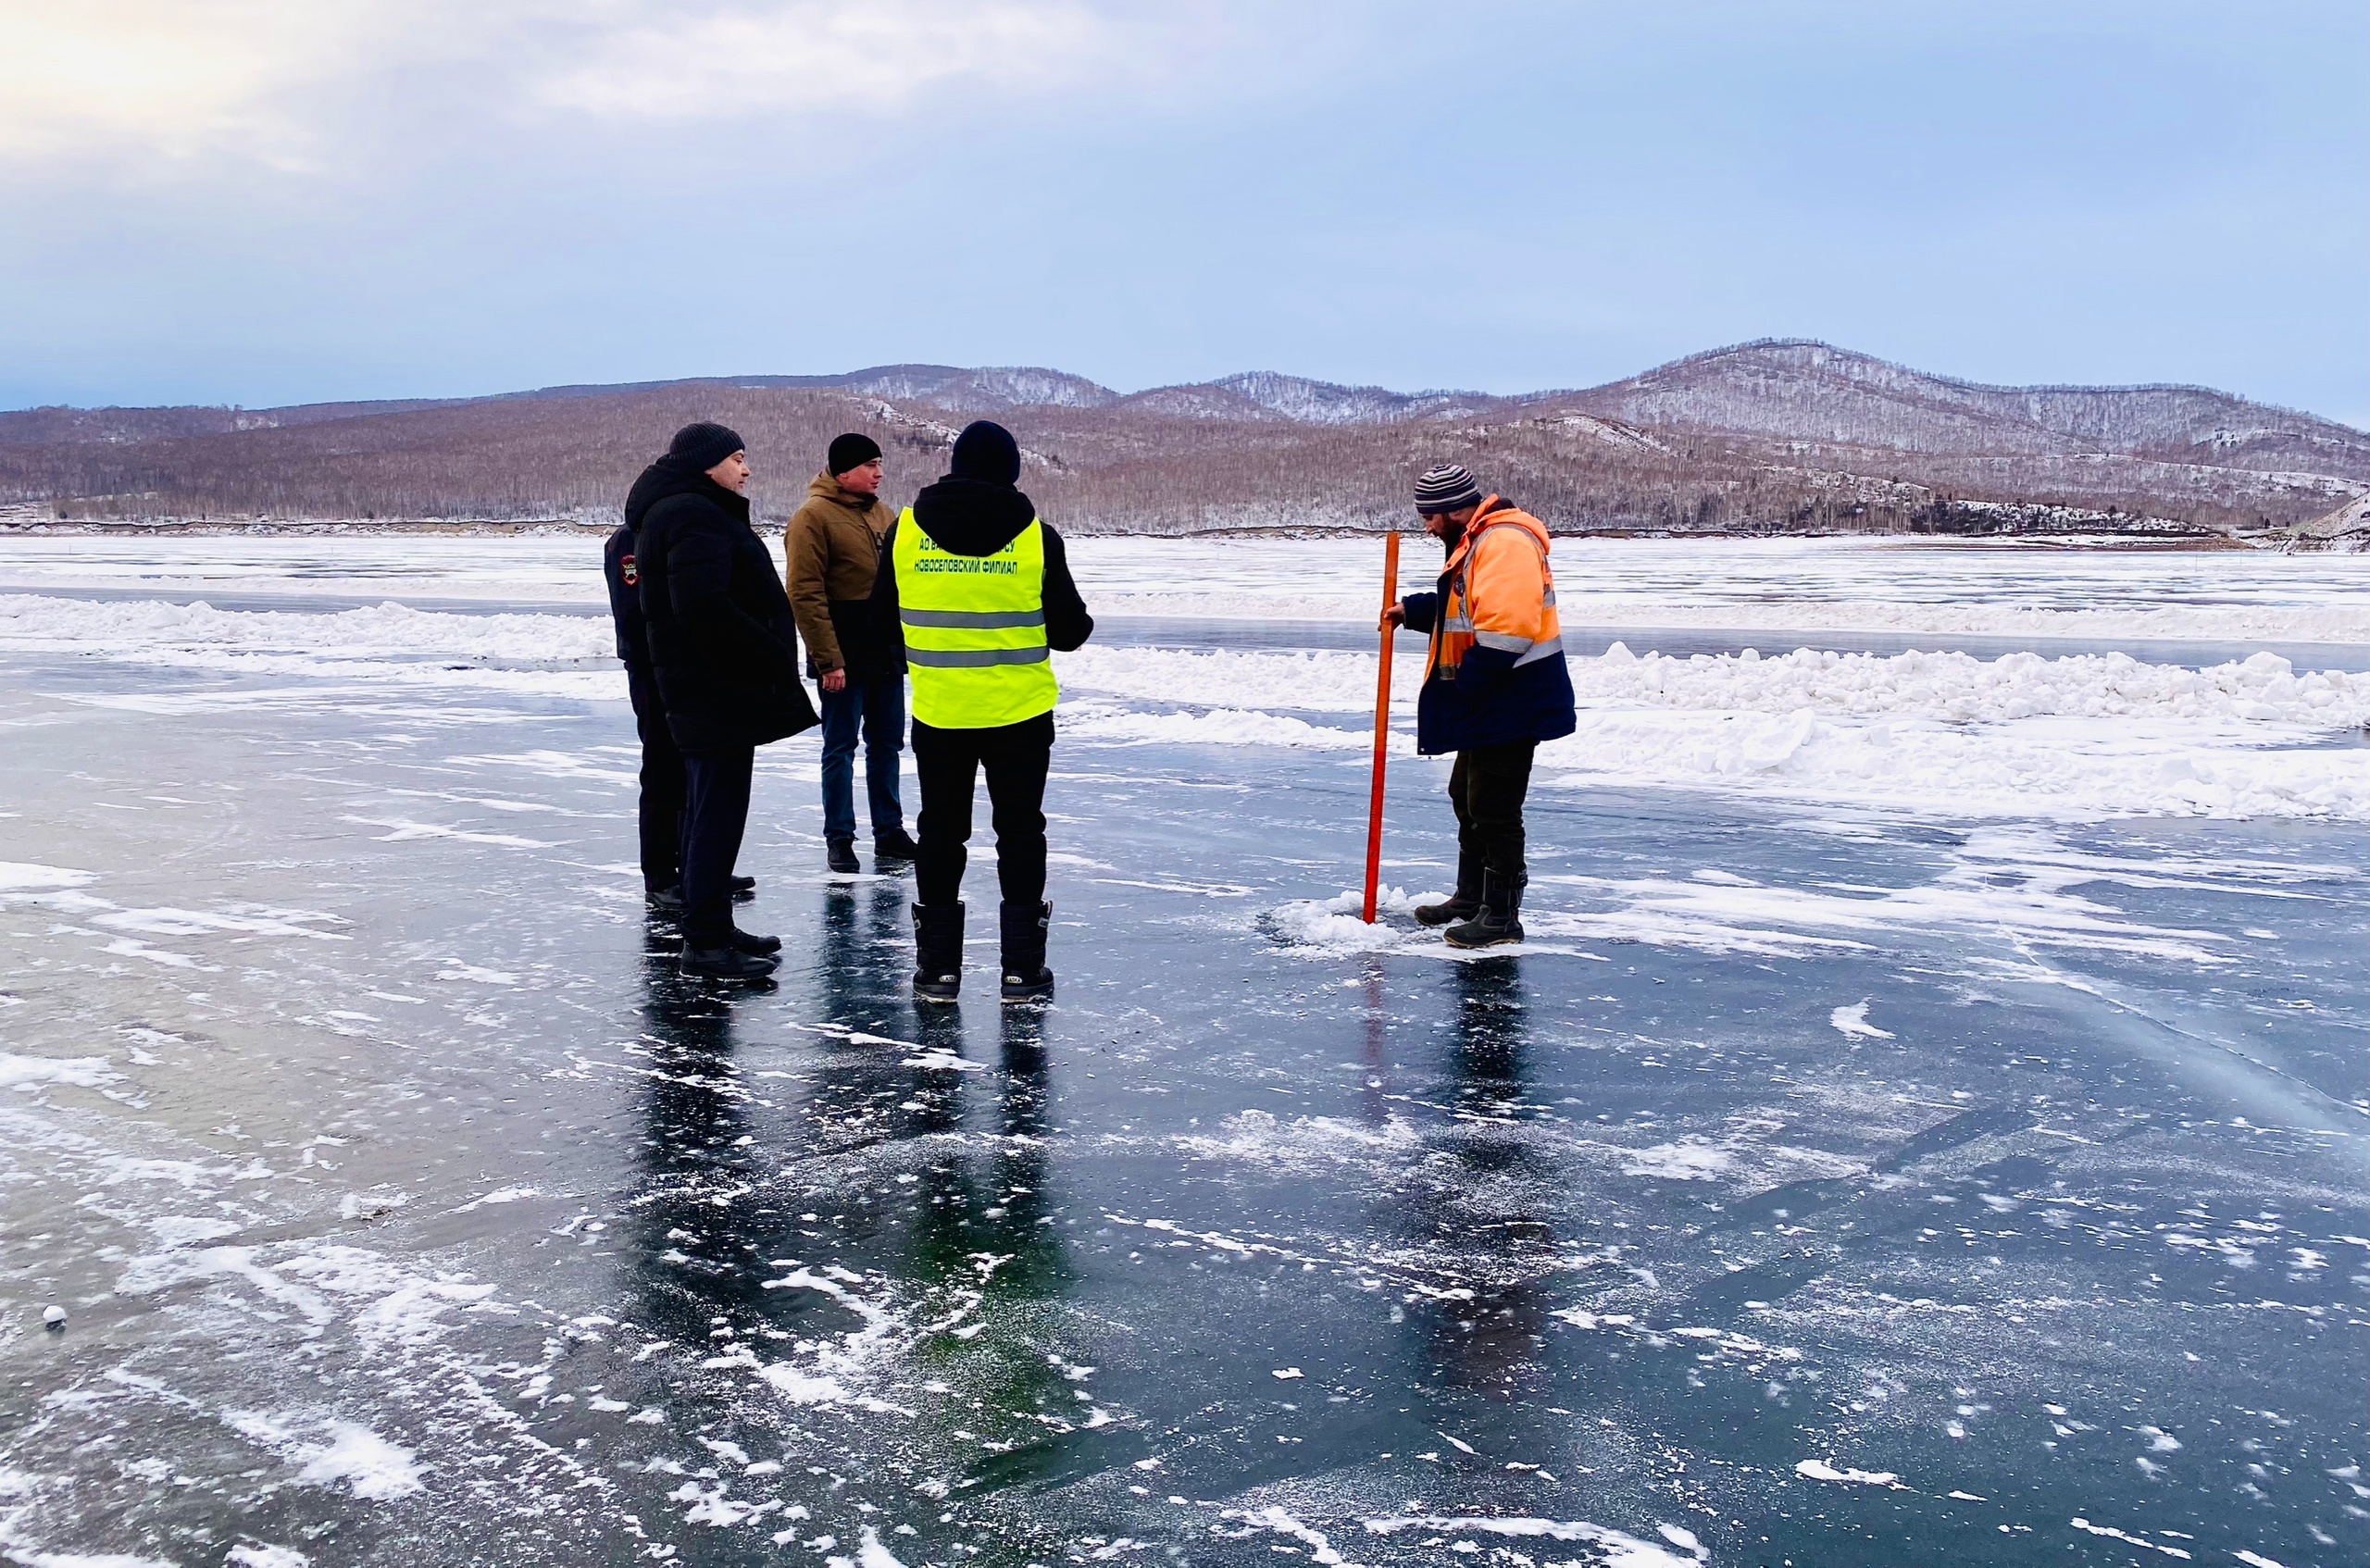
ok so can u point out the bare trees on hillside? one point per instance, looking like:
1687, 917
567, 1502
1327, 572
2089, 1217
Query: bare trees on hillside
1113, 468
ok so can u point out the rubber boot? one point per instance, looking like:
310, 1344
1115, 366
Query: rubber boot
1462, 905
895, 844
840, 855
1500, 919
1026, 979
726, 963
938, 952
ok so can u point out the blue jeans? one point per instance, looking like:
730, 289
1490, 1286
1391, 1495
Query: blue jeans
877, 705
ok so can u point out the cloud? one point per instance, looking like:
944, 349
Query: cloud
286, 83
819, 54
173, 80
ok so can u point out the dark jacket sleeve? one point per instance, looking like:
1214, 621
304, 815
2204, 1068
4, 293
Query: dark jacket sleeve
699, 583
1421, 609
888, 627
1067, 625
625, 603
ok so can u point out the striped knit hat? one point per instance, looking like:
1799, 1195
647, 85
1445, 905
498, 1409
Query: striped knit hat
1446, 487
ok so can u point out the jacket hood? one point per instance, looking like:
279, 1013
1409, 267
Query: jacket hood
1496, 509
972, 517
826, 487
664, 479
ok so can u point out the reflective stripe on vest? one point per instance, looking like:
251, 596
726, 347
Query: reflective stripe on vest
1539, 650
975, 629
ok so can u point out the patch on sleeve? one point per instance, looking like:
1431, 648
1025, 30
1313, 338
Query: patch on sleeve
628, 570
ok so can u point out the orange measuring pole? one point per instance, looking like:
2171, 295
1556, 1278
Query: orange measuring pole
1381, 724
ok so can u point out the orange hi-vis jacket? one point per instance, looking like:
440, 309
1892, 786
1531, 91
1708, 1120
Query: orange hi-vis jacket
1495, 673
1500, 593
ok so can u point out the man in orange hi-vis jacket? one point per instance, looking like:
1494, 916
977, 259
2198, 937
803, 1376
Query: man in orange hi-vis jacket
1495, 685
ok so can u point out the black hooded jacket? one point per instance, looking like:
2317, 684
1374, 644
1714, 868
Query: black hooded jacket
978, 517
714, 617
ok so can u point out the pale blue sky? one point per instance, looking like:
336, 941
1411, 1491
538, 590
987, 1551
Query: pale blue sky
270, 201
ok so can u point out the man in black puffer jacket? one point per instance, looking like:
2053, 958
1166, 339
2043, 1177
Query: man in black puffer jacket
721, 642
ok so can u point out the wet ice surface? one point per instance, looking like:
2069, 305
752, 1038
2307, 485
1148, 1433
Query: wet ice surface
1827, 1181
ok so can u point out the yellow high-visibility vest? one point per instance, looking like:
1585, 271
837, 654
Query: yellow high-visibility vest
975, 629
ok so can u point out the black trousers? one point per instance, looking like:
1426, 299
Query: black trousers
1487, 787
1014, 757
662, 788
715, 815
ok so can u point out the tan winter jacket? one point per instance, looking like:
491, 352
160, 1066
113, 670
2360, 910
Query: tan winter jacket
832, 548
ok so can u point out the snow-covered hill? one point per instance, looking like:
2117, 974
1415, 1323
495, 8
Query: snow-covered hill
1811, 392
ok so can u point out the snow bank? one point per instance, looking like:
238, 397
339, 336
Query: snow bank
2077, 738
387, 645
1958, 687
2203, 624
2053, 769
1776, 585
382, 630
1111, 725
1946, 734
1313, 682
2206, 624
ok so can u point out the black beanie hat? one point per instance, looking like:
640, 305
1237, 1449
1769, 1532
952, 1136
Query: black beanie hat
985, 450
850, 451
701, 446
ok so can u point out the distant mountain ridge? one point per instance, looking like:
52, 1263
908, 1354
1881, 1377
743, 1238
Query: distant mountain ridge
1777, 433
1804, 390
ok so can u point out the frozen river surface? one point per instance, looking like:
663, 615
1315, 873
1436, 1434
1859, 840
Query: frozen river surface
1851, 1170
1909, 586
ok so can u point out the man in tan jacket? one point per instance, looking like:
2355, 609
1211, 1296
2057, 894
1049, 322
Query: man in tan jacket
832, 548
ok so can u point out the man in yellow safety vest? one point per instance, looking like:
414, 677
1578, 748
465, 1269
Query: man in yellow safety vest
979, 590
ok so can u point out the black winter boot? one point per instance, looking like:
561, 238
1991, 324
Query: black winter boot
1026, 979
938, 952
1462, 905
840, 855
666, 900
756, 945
895, 844
1499, 922
744, 887
726, 963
